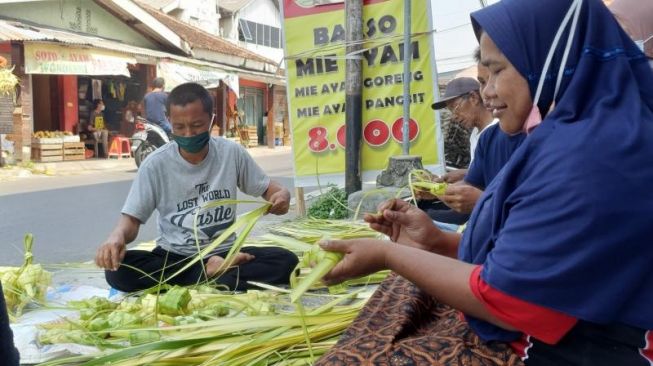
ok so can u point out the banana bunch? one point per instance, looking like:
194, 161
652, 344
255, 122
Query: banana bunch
25, 284
8, 81
50, 134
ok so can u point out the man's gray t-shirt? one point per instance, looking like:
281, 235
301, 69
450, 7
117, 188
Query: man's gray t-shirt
177, 189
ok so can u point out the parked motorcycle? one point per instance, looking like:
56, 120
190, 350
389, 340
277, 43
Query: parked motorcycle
146, 138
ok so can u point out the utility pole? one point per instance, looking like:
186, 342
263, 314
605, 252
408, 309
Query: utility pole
400, 166
405, 148
353, 95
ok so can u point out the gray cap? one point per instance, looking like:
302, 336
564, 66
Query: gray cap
456, 88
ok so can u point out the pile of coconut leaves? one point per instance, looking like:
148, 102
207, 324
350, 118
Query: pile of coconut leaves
202, 325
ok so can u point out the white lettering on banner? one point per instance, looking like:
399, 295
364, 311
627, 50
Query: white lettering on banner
61, 60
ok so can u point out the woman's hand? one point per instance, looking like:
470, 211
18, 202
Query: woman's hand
362, 257
461, 197
405, 224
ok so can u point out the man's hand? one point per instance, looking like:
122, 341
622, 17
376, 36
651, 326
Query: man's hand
280, 202
461, 197
405, 224
279, 197
215, 264
453, 176
111, 253
362, 257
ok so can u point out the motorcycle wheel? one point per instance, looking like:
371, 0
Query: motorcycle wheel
143, 150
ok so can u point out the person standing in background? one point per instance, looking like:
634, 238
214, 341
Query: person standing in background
155, 105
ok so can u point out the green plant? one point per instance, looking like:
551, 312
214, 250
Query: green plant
330, 205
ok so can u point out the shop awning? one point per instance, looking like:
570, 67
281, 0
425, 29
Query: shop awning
176, 73
112, 54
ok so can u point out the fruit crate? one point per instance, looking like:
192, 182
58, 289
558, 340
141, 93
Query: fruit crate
73, 151
47, 140
253, 136
43, 153
72, 138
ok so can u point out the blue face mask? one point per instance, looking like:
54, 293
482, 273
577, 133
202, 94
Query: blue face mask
193, 144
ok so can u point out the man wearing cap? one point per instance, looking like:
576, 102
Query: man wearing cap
463, 99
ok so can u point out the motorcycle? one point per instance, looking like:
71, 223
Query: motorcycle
146, 138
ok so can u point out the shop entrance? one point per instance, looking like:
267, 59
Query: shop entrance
46, 102
251, 103
118, 93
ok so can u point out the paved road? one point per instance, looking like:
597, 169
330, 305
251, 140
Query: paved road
71, 215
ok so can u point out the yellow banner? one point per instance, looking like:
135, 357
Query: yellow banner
316, 88
42, 58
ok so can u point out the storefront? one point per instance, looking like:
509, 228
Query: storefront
66, 80
262, 106
220, 84
62, 72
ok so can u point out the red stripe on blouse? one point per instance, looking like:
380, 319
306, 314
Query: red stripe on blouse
544, 324
647, 351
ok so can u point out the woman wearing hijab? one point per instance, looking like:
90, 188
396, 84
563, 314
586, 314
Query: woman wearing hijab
556, 264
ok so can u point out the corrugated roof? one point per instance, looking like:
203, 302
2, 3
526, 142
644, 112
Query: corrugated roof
233, 5
198, 38
157, 4
17, 31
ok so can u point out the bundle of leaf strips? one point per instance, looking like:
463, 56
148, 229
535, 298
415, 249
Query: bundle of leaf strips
25, 284
246, 221
311, 230
199, 325
237, 331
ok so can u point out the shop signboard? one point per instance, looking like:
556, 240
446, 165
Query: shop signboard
44, 58
315, 59
176, 73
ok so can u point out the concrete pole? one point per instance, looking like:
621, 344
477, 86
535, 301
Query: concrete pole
353, 95
405, 148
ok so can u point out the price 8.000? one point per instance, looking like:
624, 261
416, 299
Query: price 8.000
376, 133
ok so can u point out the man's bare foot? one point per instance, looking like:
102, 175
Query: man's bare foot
214, 263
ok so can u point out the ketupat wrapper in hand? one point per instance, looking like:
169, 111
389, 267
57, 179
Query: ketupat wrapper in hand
436, 189
423, 180
324, 262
